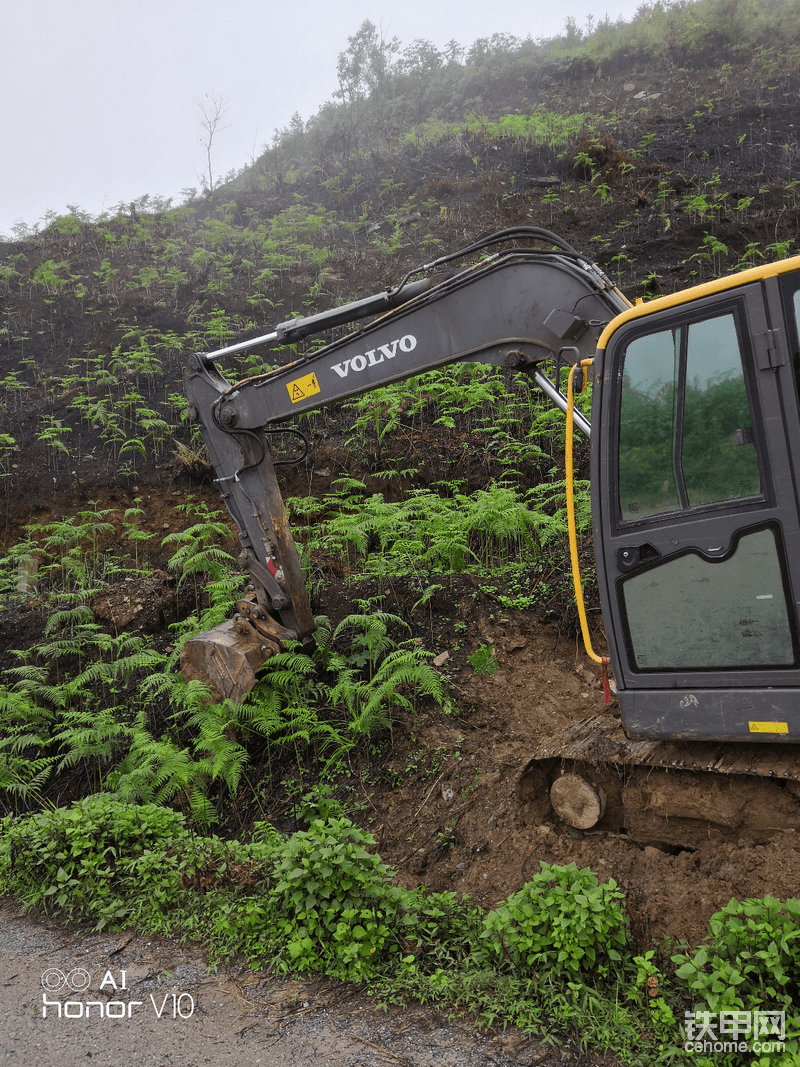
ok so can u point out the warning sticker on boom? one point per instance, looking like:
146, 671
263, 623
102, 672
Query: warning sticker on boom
769, 727
300, 388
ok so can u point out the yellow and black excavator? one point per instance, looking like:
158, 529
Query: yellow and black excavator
695, 476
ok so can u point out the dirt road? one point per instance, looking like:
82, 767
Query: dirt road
70, 998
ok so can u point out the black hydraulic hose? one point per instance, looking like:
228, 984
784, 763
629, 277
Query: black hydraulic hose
297, 433
261, 441
296, 329
514, 233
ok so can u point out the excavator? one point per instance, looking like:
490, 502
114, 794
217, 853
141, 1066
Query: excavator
695, 474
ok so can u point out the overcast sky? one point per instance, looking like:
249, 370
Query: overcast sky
99, 98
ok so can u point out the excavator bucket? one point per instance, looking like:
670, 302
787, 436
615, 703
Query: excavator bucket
226, 658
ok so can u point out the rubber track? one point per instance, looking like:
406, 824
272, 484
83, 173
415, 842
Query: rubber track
602, 740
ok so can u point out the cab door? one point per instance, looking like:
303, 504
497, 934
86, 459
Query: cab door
696, 518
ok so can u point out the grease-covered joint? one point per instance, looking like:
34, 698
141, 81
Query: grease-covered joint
517, 358
228, 417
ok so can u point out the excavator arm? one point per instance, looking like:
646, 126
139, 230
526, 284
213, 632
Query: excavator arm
517, 307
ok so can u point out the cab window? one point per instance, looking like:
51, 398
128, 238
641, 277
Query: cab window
686, 431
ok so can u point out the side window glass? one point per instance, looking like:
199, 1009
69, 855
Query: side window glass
647, 483
686, 434
712, 613
718, 454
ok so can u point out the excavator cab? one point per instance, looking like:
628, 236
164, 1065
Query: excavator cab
695, 463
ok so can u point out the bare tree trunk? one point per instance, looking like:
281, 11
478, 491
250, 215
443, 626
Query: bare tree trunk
212, 109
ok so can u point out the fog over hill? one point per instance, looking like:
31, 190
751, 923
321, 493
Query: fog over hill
108, 109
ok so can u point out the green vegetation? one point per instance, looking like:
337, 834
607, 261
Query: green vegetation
483, 660
427, 532
555, 955
752, 951
750, 959
434, 94
116, 707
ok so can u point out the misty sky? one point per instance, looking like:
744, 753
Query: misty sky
99, 98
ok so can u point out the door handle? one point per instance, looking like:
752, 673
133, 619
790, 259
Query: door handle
630, 556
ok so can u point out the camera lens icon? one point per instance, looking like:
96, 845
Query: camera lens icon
54, 980
78, 980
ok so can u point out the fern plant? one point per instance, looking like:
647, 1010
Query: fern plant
369, 702
368, 629
25, 724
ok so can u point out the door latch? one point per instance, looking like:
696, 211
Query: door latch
631, 556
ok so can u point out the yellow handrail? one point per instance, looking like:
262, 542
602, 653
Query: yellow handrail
573, 537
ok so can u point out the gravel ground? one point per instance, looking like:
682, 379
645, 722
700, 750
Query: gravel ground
173, 1011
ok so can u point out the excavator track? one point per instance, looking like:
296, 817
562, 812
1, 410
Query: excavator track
594, 778
603, 739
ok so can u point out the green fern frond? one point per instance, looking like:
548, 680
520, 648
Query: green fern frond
69, 617
348, 690
200, 531
24, 778
32, 687
105, 671
407, 667
91, 734
324, 633
203, 811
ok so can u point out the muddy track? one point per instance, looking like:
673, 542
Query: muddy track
174, 1009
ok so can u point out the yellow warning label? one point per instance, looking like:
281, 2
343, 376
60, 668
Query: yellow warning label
769, 727
300, 388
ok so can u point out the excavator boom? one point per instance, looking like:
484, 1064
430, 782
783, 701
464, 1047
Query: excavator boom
517, 307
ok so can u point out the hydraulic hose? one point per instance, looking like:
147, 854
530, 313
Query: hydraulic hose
571, 527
